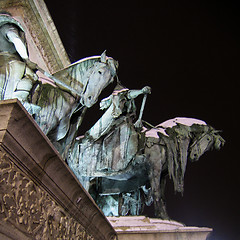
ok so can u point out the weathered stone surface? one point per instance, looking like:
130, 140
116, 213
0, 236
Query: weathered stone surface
40, 198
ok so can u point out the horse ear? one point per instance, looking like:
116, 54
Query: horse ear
217, 131
104, 57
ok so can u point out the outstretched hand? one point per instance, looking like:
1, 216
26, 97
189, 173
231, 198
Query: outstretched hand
146, 90
105, 103
138, 124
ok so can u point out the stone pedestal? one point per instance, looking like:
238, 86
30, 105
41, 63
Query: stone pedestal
40, 198
143, 228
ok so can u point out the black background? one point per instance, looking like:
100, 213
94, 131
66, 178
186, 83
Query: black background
188, 52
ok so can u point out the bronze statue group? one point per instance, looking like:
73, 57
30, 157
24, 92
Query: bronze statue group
121, 160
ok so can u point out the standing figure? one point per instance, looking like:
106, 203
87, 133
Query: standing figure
17, 72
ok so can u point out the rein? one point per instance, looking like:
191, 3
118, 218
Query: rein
86, 84
198, 141
57, 81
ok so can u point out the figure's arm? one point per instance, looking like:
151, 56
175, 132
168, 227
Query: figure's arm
135, 93
145, 91
13, 37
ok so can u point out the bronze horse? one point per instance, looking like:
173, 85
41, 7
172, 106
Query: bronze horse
125, 167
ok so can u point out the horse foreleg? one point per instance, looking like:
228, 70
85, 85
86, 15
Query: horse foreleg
156, 193
156, 159
163, 214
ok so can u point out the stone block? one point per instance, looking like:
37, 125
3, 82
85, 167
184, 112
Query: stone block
40, 198
144, 228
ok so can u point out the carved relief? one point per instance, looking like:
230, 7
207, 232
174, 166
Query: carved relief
30, 210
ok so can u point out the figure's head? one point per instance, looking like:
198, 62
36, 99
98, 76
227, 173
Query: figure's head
207, 140
6, 18
118, 100
98, 77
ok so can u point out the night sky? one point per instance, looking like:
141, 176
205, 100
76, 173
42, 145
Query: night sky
188, 52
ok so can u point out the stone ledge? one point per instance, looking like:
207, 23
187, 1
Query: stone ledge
36, 166
141, 227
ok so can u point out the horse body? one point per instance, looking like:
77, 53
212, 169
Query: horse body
126, 161
169, 146
88, 77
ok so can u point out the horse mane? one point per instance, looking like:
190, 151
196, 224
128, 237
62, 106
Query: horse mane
76, 74
84, 60
73, 73
177, 144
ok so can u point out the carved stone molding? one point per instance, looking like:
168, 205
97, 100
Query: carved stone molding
45, 46
40, 198
30, 210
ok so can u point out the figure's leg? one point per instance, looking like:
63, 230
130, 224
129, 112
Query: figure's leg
23, 87
136, 204
108, 204
148, 199
14, 72
124, 207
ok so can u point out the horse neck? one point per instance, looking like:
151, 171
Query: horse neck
76, 75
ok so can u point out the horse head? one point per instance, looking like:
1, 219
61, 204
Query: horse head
207, 140
97, 78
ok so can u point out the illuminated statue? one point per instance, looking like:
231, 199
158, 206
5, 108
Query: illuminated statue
122, 161
77, 87
125, 166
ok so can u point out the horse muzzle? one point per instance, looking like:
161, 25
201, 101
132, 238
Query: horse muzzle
88, 101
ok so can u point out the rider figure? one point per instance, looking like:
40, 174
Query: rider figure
123, 100
17, 72
118, 105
